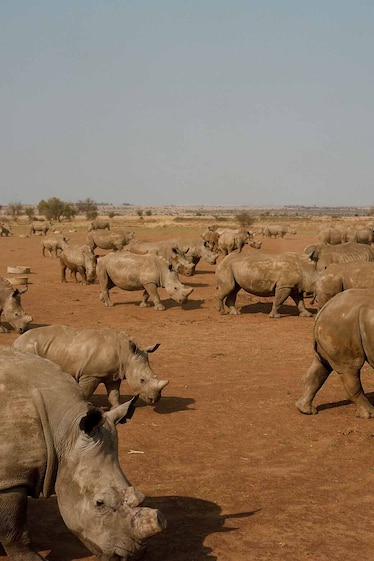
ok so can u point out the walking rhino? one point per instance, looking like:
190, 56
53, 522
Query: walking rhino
343, 341
279, 275
94, 356
130, 271
11, 307
54, 441
342, 276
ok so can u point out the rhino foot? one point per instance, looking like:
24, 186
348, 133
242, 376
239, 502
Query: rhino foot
306, 409
144, 305
234, 312
363, 413
159, 307
4, 329
305, 314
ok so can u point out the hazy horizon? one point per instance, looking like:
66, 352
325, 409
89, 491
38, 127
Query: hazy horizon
206, 102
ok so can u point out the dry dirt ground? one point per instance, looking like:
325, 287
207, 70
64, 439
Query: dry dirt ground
238, 472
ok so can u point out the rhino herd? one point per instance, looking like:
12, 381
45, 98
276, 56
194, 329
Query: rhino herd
49, 373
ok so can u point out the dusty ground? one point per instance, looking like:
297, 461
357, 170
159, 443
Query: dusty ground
239, 473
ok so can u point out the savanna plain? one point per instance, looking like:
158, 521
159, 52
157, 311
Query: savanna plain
239, 473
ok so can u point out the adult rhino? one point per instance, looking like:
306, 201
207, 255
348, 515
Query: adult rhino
130, 271
278, 230
169, 250
332, 236
196, 249
114, 241
230, 241
79, 259
323, 255
94, 356
11, 307
54, 441
99, 225
360, 235
343, 276
279, 275
54, 245
40, 227
343, 341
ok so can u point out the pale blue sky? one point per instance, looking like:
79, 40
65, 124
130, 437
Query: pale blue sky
200, 102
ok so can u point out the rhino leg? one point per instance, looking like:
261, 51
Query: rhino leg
312, 381
281, 295
13, 534
231, 300
150, 291
352, 383
299, 301
112, 388
88, 385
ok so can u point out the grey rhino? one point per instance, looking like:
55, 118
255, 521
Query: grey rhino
280, 275
332, 236
343, 341
169, 250
99, 225
130, 271
278, 230
324, 255
54, 441
11, 307
230, 240
360, 235
342, 276
40, 227
54, 244
96, 355
79, 259
196, 249
115, 241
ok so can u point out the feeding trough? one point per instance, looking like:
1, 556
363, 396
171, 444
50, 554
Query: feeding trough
19, 270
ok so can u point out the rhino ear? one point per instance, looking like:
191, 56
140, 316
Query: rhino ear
92, 420
152, 348
123, 412
133, 346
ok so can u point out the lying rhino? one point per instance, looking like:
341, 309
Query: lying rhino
343, 341
279, 275
130, 271
11, 307
54, 441
97, 355
342, 276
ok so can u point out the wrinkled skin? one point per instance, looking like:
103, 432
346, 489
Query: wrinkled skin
280, 275
169, 250
79, 259
11, 307
342, 276
71, 448
343, 341
323, 255
135, 272
94, 356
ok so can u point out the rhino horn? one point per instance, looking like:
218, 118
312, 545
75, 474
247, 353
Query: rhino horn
152, 348
188, 291
148, 522
123, 412
162, 384
133, 497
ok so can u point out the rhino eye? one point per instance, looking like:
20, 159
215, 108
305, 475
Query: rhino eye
142, 380
99, 502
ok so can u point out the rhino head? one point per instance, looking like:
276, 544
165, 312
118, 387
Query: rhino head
95, 499
176, 290
14, 313
140, 376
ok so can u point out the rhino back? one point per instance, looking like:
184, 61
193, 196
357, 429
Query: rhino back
131, 271
36, 397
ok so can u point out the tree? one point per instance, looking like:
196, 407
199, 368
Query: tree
52, 209
30, 213
86, 206
244, 219
15, 210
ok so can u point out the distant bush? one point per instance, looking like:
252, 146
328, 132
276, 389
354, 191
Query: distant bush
244, 219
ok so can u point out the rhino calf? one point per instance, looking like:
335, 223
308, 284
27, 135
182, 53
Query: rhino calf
11, 307
343, 341
94, 356
54, 441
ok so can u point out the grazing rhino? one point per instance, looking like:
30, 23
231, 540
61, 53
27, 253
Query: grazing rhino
54, 441
130, 271
79, 259
99, 225
279, 275
54, 245
196, 249
98, 355
342, 276
169, 250
11, 307
343, 341
323, 255
114, 241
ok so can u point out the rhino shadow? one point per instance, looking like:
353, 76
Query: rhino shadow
190, 520
343, 402
162, 407
265, 308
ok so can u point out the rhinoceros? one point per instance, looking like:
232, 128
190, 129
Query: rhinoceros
343, 341
115, 241
342, 276
99, 225
280, 275
332, 236
40, 227
360, 235
54, 441
54, 245
278, 230
169, 250
130, 271
231, 240
11, 307
196, 249
97, 355
79, 259
324, 254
